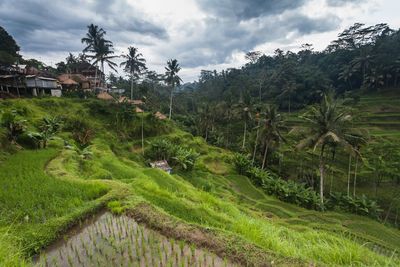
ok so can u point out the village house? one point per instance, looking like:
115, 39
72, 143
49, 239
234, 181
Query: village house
17, 80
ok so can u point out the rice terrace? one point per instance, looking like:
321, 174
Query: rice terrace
199, 133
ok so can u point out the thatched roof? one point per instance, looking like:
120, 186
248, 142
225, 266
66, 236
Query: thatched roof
160, 116
69, 82
79, 78
105, 96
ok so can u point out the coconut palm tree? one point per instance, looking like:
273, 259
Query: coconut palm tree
93, 35
172, 79
102, 53
363, 62
345, 75
273, 123
328, 125
134, 64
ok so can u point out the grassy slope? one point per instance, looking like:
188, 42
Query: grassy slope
211, 196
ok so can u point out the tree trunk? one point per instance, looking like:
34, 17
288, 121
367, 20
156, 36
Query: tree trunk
244, 134
355, 177
170, 102
322, 175
348, 177
330, 188
265, 157
142, 134
256, 143
132, 85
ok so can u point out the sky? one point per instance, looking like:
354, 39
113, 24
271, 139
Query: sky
200, 34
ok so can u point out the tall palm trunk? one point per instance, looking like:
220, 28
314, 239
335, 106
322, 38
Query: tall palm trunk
348, 176
256, 143
170, 102
131, 85
265, 157
355, 177
142, 134
322, 175
244, 134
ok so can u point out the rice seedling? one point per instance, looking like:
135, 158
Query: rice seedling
120, 241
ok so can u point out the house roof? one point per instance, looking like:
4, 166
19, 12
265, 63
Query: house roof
79, 78
138, 110
40, 78
69, 82
160, 116
105, 96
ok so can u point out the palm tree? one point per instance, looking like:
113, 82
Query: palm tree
93, 35
172, 79
288, 90
102, 53
134, 64
273, 124
328, 125
246, 116
258, 119
362, 62
345, 75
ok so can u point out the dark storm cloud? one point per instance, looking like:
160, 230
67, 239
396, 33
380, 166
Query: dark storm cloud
247, 9
46, 25
219, 39
235, 25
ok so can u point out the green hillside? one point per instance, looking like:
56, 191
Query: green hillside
46, 191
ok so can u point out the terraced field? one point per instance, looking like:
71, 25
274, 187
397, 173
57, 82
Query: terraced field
210, 207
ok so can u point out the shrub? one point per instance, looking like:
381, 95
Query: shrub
14, 125
242, 163
181, 157
48, 128
82, 130
160, 149
184, 158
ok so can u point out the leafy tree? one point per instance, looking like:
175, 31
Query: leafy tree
271, 131
8, 47
102, 53
93, 36
48, 128
134, 64
172, 79
328, 124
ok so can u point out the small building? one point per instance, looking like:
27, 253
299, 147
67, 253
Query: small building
74, 81
42, 85
138, 110
162, 165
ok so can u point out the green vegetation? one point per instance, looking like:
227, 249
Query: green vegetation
50, 189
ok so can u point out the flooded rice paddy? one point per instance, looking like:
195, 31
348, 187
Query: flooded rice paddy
108, 240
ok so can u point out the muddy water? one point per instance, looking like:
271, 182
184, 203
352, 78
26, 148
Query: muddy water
108, 240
